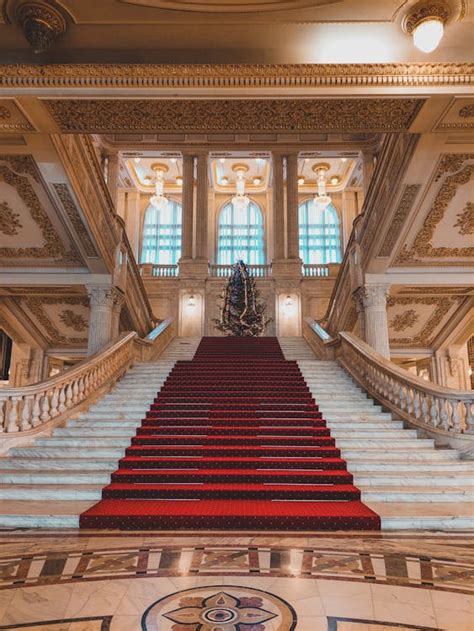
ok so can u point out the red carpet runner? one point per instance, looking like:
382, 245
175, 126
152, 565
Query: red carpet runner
234, 440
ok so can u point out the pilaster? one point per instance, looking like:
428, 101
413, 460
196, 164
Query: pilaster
105, 306
374, 301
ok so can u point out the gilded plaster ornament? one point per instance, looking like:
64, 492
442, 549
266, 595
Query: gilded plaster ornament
467, 111
9, 223
73, 320
405, 320
465, 221
42, 23
404, 207
72, 212
4, 113
36, 306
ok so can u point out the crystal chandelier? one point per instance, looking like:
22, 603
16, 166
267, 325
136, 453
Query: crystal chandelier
158, 200
321, 199
240, 201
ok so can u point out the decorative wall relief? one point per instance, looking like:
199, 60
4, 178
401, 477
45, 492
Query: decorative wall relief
404, 207
9, 223
36, 306
467, 111
73, 213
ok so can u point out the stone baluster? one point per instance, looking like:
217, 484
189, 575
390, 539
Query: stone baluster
13, 415
456, 417
54, 403
26, 413
62, 398
469, 418
35, 414
45, 416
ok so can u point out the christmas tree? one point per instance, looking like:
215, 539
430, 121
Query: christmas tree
243, 314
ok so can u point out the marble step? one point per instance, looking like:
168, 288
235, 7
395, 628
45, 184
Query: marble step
370, 434
45, 453
51, 492
415, 494
359, 426
378, 442
121, 424
42, 514
353, 455
425, 516
420, 478
403, 466
41, 464
91, 431
12, 476
84, 442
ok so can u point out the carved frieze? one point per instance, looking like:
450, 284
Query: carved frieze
73, 320
405, 320
15, 171
72, 212
12, 118
184, 115
404, 207
442, 306
247, 76
467, 111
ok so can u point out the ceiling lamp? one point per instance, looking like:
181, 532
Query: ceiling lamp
301, 181
321, 199
179, 181
240, 201
257, 180
425, 23
158, 200
224, 180
335, 180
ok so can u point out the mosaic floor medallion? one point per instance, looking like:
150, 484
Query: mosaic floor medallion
220, 608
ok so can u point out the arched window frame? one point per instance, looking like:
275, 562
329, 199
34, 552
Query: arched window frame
176, 237
258, 259
329, 252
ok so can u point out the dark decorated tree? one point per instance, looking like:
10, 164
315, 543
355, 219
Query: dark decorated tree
243, 313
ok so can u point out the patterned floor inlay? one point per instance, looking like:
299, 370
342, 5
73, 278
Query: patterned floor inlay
70, 581
220, 608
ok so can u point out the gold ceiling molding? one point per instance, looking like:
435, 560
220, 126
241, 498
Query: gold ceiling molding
73, 320
36, 307
415, 290
217, 115
422, 247
467, 111
72, 212
229, 6
424, 338
234, 75
465, 221
12, 118
53, 247
404, 207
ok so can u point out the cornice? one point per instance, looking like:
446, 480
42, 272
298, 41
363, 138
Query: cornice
234, 75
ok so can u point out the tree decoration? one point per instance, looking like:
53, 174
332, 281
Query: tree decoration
243, 313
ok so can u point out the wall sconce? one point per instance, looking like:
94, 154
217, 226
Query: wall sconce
288, 301
425, 23
191, 301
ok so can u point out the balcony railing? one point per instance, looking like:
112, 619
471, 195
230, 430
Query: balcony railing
158, 271
320, 270
224, 271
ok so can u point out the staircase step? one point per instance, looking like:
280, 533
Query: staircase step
416, 494
51, 491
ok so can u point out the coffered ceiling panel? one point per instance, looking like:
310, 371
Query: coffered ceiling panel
459, 116
442, 232
31, 232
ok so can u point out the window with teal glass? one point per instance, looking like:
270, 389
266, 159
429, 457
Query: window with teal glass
319, 234
161, 242
240, 235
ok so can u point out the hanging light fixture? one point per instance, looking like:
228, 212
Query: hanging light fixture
159, 200
240, 201
425, 23
321, 200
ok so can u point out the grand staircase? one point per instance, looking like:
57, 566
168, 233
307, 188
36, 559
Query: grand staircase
402, 478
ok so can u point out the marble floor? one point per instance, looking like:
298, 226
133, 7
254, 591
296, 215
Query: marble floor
113, 581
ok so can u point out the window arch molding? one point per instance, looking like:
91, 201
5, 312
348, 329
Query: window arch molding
320, 238
240, 236
161, 233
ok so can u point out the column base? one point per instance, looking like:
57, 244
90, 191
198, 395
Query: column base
286, 268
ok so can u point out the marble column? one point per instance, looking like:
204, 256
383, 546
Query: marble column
102, 317
278, 208
374, 300
349, 213
202, 210
187, 199
112, 175
292, 224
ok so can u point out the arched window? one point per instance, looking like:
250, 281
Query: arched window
240, 235
319, 234
161, 240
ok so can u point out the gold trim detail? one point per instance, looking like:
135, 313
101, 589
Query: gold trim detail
424, 11
404, 207
423, 338
405, 320
53, 246
421, 247
75, 218
467, 111
465, 220
246, 76
9, 222
35, 306
217, 115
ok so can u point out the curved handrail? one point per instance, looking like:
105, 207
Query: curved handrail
28, 407
421, 402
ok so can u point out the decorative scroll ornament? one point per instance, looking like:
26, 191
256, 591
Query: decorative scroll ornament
467, 111
405, 320
42, 23
465, 221
9, 223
